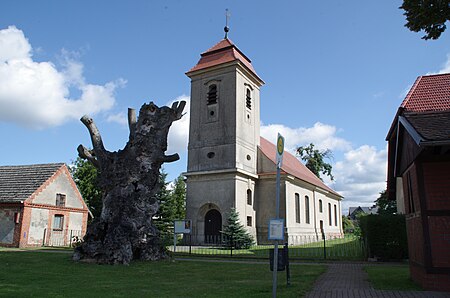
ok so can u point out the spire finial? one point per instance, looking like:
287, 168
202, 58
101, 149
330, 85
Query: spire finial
226, 28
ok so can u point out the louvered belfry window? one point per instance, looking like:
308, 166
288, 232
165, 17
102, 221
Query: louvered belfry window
248, 99
212, 94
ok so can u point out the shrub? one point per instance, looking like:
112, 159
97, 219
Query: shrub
385, 236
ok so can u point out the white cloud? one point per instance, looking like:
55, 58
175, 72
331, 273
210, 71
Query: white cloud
37, 94
179, 131
323, 136
446, 66
119, 118
361, 176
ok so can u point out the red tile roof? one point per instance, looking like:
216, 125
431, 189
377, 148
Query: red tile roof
291, 165
223, 52
429, 93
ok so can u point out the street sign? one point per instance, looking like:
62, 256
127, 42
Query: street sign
280, 150
276, 229
182, 226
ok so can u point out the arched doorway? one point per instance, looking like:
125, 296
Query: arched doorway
213, 226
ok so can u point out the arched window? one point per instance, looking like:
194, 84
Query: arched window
329, 214
335, 215
320, 206
297, 208
249, 196
212, 94
307, 209
248, 99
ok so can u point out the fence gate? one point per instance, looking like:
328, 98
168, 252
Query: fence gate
61, 237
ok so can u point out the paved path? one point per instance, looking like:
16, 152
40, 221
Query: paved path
350, 280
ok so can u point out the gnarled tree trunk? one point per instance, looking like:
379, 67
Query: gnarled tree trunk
130, 181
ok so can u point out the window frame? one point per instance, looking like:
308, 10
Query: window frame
60, 222
60, 200
297, 208
307, 213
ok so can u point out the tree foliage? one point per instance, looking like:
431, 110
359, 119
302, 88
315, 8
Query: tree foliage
314, 160
386, 206
347, 225
427, 15
172, 205
236, 235
85, 176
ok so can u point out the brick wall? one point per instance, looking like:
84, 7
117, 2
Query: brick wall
437, 186
10, 221
433, 274
430, 281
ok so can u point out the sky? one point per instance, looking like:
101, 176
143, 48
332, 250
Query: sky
335, 73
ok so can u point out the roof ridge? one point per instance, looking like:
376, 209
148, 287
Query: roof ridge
34, 165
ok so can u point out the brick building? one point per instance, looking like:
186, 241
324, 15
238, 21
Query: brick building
419, 177
40, 205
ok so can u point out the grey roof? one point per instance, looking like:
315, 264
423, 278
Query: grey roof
433, 126
367, 210
18, 183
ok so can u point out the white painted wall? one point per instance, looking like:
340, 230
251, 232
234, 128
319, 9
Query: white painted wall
60, 185
38, 223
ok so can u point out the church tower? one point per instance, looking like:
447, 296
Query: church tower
223, 140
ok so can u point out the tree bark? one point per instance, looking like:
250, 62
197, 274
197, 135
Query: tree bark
130, 181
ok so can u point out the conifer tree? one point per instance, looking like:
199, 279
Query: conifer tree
235, 233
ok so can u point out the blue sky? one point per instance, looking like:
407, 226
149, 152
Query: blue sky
335, 73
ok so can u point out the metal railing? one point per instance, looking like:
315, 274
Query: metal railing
62, 238
311, 248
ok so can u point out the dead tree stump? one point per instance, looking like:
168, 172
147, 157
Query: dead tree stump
130, 181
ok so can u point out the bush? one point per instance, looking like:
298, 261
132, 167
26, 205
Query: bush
385, 236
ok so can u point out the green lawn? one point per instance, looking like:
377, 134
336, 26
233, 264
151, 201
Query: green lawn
53, 274
391, 278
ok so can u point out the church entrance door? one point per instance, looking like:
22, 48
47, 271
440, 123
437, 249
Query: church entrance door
213, 225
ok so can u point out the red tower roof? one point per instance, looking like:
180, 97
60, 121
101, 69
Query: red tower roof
223, 52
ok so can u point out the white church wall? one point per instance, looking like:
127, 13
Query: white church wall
206, 192
265, 206
246, 210
332, 221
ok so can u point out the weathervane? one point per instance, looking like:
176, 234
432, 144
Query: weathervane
226, 28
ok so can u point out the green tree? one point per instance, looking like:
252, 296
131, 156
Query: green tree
347, 225
314, 160
179, 197
163, 217
385, 206
85, 176
427, 15
236, 235
172, 205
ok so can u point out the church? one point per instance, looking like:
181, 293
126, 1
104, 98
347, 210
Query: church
231, 166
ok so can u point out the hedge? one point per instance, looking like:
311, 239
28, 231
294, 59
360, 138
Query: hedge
385, 236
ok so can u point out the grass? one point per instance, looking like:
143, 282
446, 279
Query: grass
52, 274
391, 278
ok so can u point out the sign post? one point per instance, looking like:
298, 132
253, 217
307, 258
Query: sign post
279, 160
180, 227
